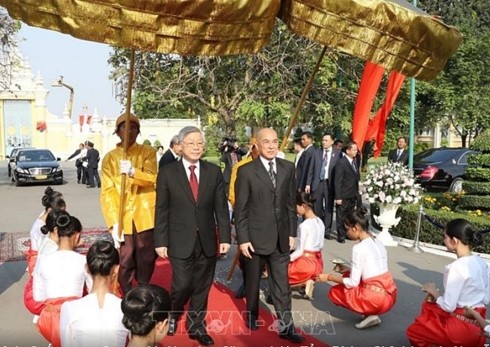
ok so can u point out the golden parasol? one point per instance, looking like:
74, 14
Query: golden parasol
391, 33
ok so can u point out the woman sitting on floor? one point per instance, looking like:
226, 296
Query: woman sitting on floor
48, 246
97, 317
146, 311
442, 321
59, 277
368, 287
306, 261
50, 200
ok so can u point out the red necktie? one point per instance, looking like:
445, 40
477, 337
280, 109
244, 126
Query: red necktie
193, 182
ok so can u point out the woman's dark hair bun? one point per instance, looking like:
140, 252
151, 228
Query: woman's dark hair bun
63, 220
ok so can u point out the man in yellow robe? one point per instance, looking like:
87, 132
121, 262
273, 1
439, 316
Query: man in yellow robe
137, 250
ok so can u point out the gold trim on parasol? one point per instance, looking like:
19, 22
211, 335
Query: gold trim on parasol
390, 33
198, 27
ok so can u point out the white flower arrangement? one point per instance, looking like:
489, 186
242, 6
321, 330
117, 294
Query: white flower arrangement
391, 183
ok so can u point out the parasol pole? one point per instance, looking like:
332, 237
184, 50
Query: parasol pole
125, 141
301, 102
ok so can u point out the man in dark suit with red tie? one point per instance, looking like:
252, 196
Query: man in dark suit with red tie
320, 181
265, 221
191, 219
346, 183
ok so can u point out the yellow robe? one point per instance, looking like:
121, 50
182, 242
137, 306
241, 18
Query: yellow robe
140, 197
234, 171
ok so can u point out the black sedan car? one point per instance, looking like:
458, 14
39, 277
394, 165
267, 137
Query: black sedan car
36, 166
11, 159
441, 168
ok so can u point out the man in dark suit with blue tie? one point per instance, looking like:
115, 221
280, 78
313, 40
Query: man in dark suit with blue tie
320, 181
191, 219
346, 183
400, 154
265, 221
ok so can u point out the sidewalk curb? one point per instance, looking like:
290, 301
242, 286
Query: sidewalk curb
435, 249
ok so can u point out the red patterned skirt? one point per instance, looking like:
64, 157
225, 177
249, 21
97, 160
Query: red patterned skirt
305, 268
434, 326
49, 320
373, 296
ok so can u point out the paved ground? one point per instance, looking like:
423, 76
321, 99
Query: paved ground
335, 326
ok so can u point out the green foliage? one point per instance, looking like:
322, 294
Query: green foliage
477, 173
479, 159
147, 142
446, 201
482, 143
460, 96
420, 146
8, 53
476, 188
472, 202
429, 233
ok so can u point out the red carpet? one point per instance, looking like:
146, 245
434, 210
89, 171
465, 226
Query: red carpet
225, 320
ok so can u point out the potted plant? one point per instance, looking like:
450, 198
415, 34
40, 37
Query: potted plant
388, 186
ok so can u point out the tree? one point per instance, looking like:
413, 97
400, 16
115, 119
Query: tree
460, 96
257, 90
8, 42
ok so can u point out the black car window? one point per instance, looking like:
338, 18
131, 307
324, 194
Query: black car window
434, 155
36, 156
464, 158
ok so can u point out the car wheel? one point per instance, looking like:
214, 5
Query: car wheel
456, 185
17, 183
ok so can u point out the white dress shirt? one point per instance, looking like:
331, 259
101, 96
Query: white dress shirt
369, 259
61, 274
83, 323
310, 236
265, 162
187, 164
36, 234
466, 283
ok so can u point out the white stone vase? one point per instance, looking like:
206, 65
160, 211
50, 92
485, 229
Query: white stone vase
387, 219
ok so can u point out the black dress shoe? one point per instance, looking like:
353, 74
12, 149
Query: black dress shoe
292, 336
172, 327
240, 293
251, 322
340, 241
203, 339
327, 237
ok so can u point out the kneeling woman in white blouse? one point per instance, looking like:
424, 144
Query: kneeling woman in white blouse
59, 277
96, 319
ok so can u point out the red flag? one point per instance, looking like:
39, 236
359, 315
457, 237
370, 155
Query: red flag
395, 83
371, 79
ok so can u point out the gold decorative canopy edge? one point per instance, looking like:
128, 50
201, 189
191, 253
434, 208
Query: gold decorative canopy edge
382, 31
390, 33
199, 27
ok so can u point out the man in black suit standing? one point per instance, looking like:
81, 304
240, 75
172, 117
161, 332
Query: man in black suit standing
321, 181
173, 152
191, 219
305, 161
265, 221
92, 165
346, 187
400, 154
